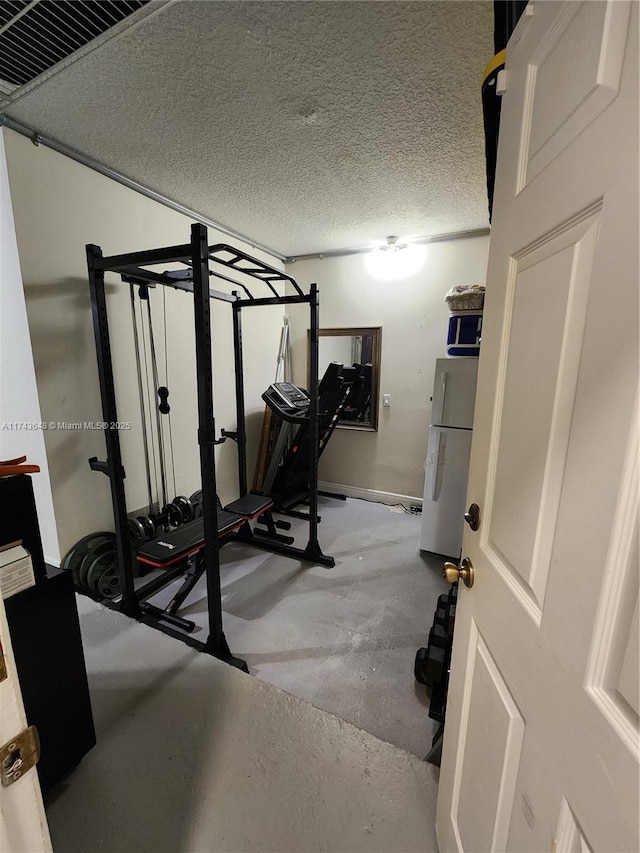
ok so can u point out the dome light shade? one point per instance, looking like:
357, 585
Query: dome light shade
393, 245
395, 261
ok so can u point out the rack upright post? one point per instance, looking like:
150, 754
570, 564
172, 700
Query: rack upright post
113, 467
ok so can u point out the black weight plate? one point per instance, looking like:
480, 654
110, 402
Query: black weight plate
102, 547
149, 527
174, 514
79, 551
136, 532
186, 506
196, 501
97, 567
109, 583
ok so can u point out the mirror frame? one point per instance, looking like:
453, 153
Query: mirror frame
358, 331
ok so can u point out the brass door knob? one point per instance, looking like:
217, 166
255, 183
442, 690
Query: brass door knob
465, 571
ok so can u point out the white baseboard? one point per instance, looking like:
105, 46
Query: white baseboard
51, 562
369, 494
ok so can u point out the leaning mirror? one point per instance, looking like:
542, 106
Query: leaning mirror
357, 349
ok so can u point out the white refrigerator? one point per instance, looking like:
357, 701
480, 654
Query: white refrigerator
448, 452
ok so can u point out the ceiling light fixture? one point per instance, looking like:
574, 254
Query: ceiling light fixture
394, 260
392, 245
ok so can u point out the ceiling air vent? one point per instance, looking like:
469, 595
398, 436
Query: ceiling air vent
37, 34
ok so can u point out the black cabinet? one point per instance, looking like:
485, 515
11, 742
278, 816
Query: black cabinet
45, 635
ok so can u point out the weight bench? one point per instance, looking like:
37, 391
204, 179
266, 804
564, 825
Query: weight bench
250, 506
186, 543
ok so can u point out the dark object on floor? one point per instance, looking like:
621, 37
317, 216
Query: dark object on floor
45, 635
432, 664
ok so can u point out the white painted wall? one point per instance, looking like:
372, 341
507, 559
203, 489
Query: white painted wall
18, 392
60, 206
414, 318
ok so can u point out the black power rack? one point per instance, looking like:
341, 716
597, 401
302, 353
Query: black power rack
201, 262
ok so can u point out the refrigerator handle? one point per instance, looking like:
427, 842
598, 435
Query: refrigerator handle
435, 478
443, 393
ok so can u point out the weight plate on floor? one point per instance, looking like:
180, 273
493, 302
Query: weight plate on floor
137, 535
97, 567
109, 583
104, 546
79, 551
186, 506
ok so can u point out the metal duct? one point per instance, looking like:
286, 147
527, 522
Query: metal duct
37, 34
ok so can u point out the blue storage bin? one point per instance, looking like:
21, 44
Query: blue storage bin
465, 330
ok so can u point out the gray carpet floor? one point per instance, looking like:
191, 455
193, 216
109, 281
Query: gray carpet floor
345, 638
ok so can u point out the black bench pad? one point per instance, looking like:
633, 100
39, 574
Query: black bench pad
169, 548
250, 505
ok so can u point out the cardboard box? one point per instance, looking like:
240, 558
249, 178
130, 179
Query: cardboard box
16, 569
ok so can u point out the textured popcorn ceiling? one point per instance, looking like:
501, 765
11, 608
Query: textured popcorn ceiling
307, 126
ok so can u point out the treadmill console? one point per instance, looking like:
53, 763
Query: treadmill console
288, 401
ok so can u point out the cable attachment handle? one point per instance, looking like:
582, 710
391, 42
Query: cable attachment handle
163, 406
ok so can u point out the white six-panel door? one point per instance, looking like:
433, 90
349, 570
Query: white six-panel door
541, 739
23, 824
